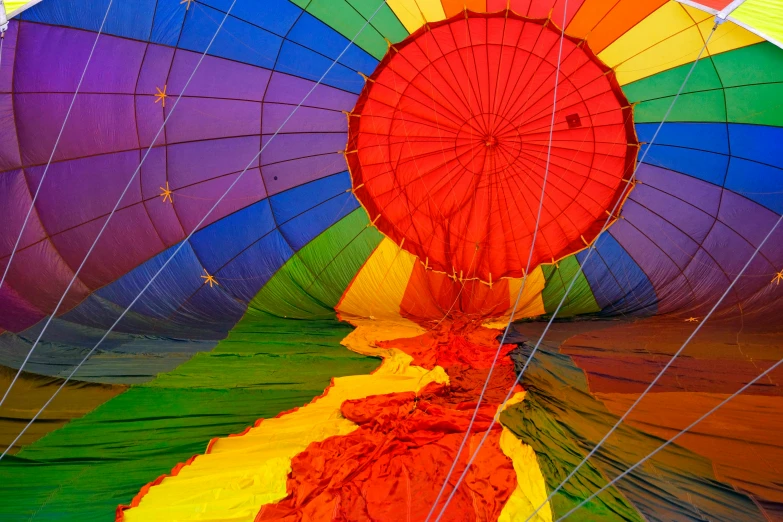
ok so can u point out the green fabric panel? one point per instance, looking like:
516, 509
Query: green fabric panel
562, 421
758, 104
348, 16
706, 106
751, 76
667, 83
580, 299
311, 283
81, 472
759, 63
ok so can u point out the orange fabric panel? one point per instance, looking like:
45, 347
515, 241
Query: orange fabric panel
452, 7
731, 437
432, 295
623, 16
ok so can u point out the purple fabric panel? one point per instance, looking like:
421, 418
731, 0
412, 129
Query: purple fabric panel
9, 56
9, 146
15, 200
18, 314
99, 123
284, 88
52, 60
149, 109
217, 78
698, 193
288, 174
672, 241
128, 240
292, 146
753, 222
192, 203
306, 119
205, 119
190, 163
691, 220
731, 252
659, 269
705, 276
41, 276
149, 120
81, 190
154, 70
161, 213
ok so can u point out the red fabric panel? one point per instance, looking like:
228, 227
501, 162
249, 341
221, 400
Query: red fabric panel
448, 145
392, 467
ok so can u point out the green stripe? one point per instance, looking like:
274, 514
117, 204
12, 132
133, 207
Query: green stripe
311, 283
348, 16
704, 98
83, 471
580, 299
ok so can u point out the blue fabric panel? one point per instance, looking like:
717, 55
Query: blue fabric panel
177, 282
289, 204
276, 16
760, 183
237, 40
224, 239
757, 143
168, 23
618, 283
711, 137
305, 227
314, 34
300, 61
128, 19
707, 166
213, 305
244, 276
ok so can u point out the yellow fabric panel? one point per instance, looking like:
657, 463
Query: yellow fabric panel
377, 290
765, 16
668, 38
13, 5
242, 473
413, 13
727, 37
531, 304
531, 488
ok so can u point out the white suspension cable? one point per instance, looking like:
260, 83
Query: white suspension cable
697, 421
674, 357
519, 294
587, 257
38, 190
196, 228
113, 211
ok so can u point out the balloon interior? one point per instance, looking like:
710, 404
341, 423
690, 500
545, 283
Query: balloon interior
365, 260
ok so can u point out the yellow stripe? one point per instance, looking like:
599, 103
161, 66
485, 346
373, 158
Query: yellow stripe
377, 290
671, 36
531, 304
413, 13
242, 473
